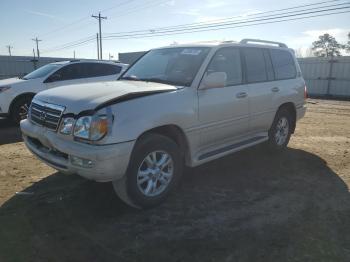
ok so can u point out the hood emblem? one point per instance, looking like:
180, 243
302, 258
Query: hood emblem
42, 116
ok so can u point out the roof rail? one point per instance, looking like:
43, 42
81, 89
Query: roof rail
247, 40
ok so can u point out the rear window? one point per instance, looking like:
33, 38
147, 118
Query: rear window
283, 64
255, 65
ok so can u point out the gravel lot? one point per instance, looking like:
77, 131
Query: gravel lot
250, 206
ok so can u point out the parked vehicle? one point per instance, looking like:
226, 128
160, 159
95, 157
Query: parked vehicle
17, 93
176, 106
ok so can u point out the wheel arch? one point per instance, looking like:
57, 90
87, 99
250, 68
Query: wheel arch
176, 134
290, 107
29, 94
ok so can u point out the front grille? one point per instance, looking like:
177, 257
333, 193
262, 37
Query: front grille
45, 114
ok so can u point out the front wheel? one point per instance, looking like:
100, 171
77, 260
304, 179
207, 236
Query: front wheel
20, 109
280, 131
155, 167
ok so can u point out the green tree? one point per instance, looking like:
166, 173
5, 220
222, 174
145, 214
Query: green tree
327, 46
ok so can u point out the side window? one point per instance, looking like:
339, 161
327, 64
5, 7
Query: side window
283, 64
256, 70
98, 69
227, 60
70, 72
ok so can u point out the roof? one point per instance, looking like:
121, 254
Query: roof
88, 61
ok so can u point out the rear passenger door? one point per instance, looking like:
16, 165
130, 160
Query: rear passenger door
263, 100
224, 111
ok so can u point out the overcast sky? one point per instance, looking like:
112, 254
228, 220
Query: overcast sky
22, 20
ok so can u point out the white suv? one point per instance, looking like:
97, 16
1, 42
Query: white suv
17, 93
175, 106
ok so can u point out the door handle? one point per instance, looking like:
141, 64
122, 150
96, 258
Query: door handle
275, 89
241, 95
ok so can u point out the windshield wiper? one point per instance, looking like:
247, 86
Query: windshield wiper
158, 80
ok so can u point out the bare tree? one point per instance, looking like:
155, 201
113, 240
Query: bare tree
327, 46
347, 46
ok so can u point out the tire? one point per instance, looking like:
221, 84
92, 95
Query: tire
20, 108
147, 183
280, 131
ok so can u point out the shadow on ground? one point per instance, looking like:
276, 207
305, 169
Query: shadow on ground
249, 206
9, 132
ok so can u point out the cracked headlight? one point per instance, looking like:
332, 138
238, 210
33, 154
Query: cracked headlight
91, 127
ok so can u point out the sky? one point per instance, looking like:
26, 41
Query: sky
59, 22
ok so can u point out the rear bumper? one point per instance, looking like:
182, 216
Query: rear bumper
109, 162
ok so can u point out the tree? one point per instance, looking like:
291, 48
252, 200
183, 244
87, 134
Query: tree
347, 46
327, 46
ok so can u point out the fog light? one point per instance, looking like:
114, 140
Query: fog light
82, 162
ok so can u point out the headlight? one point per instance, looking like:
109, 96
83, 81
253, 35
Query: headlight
67, 125
91, 127
4, 88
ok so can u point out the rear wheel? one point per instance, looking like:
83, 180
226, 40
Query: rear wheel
280, 131
20, 109
155, 167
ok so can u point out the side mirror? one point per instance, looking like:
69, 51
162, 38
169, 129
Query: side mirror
214, 80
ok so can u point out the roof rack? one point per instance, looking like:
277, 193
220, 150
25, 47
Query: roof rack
247, 40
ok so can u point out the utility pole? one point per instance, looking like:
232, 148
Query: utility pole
37, 46
9, 49
98, 48
74, 54
99, 17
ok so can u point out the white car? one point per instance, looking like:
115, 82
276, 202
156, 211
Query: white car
17, 93
178, 105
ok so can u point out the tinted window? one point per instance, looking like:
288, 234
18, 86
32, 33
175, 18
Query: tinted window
70, 72
283, 64
98, 69
255, 65
227, 60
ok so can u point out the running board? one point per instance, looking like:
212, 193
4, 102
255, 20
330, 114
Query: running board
231, 147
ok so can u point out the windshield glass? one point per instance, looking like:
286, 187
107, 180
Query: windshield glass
176, 66
41, 72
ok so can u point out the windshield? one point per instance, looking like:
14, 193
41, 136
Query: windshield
41, 72
176, 66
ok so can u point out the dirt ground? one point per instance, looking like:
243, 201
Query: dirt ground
249, 206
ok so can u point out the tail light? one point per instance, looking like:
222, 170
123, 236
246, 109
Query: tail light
305, 92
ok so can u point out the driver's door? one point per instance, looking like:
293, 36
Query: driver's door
224, 111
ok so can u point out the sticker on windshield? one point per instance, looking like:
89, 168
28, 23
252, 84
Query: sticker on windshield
191, 51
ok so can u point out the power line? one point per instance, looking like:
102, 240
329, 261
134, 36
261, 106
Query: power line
84, 18
99, 17
248, 15
286, 16
59, 47
204, 25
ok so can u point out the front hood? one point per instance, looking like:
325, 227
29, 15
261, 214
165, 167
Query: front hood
11, 81
92, 96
